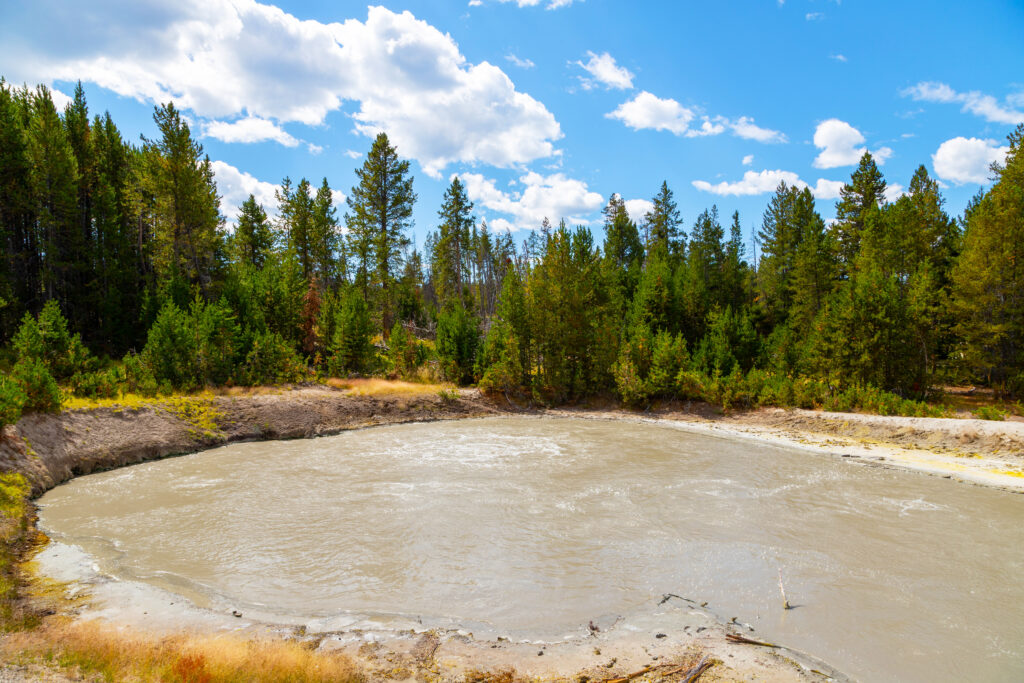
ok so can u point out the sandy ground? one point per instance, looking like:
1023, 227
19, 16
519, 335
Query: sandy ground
988, 453
51, 449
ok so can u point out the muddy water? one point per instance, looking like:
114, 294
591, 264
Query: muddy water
529, 527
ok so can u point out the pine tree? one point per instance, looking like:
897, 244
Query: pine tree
253, 239
451, 257
380, 213
735, 270
296, 216
20, 263
988, 280
662, 222
188, 238
864, 194
54, 174
623, 252
325, 241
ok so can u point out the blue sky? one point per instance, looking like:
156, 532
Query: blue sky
546, 107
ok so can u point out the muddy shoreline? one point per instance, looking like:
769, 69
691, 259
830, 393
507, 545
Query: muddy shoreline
51, 449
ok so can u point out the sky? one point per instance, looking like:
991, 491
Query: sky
544, 108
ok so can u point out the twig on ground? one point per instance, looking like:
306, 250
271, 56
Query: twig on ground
737, 638
782, 589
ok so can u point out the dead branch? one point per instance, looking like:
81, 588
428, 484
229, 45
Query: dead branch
737, 638
782, 589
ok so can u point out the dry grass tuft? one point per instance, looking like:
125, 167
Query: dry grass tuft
385, 387
93, 650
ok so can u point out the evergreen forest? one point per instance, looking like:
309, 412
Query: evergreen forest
120, 275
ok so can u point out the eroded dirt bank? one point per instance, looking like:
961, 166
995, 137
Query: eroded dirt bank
50, 449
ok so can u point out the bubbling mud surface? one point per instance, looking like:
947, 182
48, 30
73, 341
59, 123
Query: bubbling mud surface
533, 527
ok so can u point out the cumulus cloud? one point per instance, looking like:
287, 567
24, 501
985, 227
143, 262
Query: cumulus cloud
748, 160
974, 102
838, 142
839, 57
648, 111
235, 186
638, 209
764, 182
967, 160
553, 197
827, 189
60, 100
249, 129
894, 192
604, 71
228, 58
744, 127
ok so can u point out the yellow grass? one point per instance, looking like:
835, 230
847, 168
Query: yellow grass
112, 655
131, 401
386, 387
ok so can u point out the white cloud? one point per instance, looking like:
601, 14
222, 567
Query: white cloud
827, 189
838, 142
744, 127
603, 69
751, 184
60, 100
553, 197
748, 160
839, 57
967, 160
223, 59
814, 16
550, 4
352, 154
894, 192
235, 186
648, 111
764, 182
638, 208
521, 63
249, 129
974, 102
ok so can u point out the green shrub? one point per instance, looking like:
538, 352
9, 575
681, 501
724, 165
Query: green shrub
12, 401
351, 350
170, 348
690, 385
41, 391
272, 360
99, 384
989, 413
631, 387
193, 349
138, 376
501, 360
404, 351
48, 339
458, 336
668, 357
